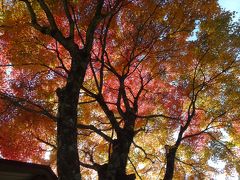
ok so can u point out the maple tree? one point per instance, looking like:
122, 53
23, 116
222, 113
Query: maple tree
124, 80
42, 20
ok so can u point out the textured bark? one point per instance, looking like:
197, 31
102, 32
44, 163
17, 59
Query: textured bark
170, 155
119, 157
103, 175
116, 167
67, 152
68, 96
172, 150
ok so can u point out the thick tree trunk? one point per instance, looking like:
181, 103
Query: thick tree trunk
118, 161
102, 175
67, 152
116, 167
170, 155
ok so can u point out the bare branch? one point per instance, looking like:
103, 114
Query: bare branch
20, 102
96, 130
46, 142
135, 169
70, 20
156, 116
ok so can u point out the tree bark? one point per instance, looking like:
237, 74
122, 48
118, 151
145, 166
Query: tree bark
170, 156
67, 152
115, 169
68, 96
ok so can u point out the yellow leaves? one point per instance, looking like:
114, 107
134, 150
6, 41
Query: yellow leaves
146, 40
237, 167
101, 149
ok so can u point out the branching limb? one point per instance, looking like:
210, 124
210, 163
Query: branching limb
70, 19
96, 130
135, 169
45, 142
144, 152
156, 116
23, 104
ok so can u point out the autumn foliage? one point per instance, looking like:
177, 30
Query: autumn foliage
142, 89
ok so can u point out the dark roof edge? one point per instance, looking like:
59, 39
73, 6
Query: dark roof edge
27, 165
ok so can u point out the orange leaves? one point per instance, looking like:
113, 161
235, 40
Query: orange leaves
144, 49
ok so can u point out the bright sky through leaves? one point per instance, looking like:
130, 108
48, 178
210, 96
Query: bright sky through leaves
160, 87
232, 5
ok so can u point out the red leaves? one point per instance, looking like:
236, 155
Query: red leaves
18, 137
18, 144
144, 49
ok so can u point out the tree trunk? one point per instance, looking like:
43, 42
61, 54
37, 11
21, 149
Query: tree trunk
170, 155
116, 167
102, 174
67, 152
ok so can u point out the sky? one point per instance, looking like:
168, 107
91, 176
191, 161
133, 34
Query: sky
232, 5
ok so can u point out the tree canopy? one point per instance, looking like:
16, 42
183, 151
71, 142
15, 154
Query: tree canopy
121, 89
